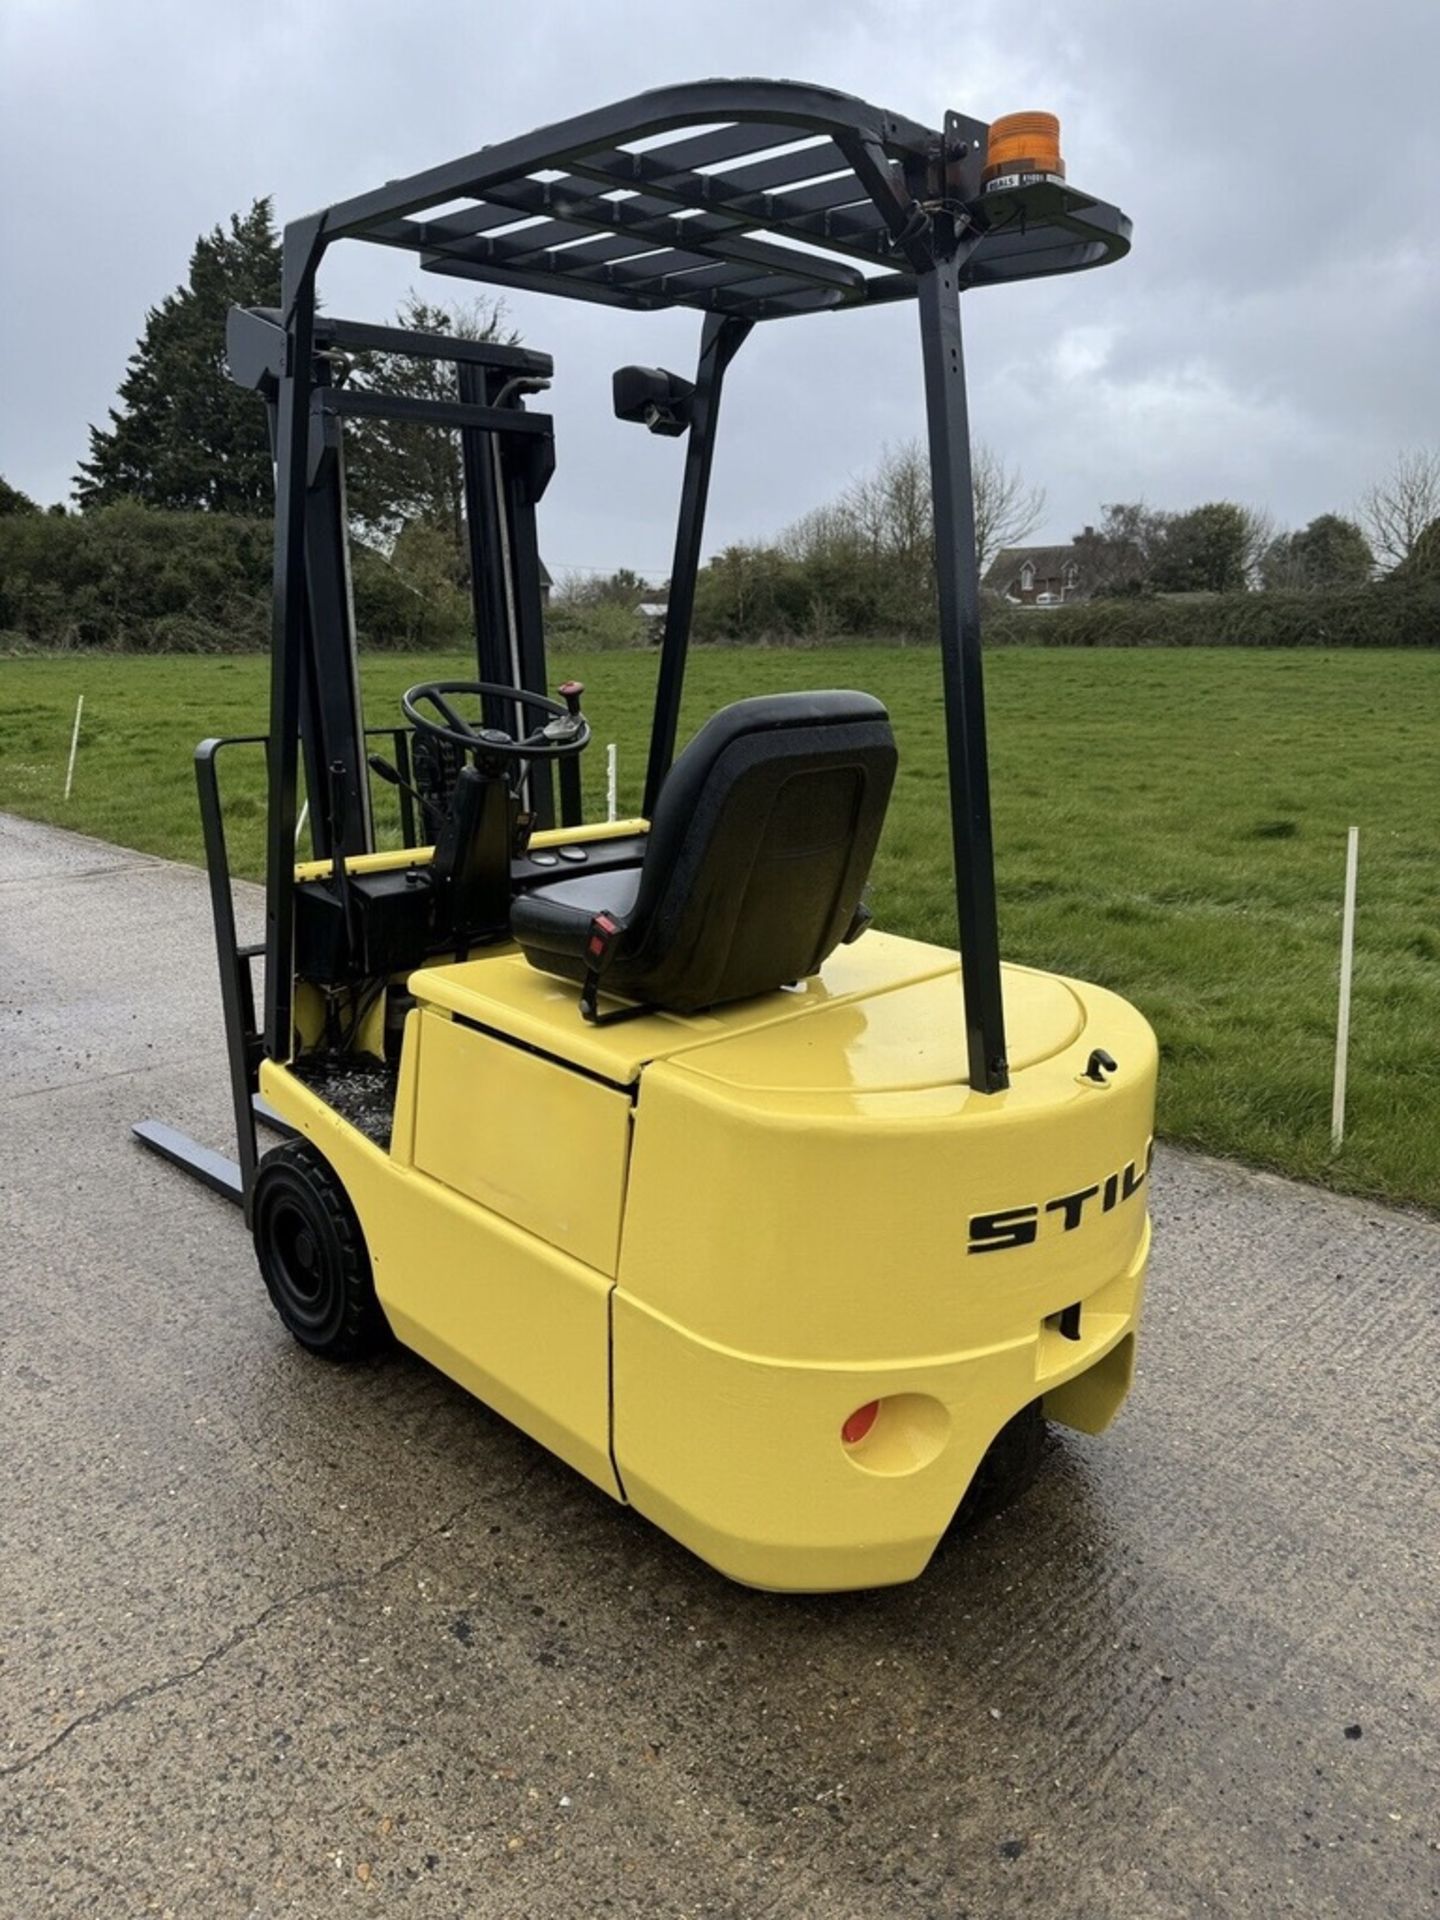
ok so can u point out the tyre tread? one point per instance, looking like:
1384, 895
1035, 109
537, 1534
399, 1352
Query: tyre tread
363, 1329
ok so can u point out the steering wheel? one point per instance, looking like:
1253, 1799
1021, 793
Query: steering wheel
564, 733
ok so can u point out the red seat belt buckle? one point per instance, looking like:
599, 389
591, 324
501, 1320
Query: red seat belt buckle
603, 931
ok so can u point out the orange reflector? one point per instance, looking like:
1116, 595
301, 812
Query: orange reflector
1019, 144
859, 1423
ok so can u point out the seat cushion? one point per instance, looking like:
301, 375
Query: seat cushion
555, 918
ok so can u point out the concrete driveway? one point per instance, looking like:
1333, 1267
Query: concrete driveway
282, 1639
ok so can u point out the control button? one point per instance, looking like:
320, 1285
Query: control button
544, 860
576, 855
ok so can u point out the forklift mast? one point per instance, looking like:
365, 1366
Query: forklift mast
507, 458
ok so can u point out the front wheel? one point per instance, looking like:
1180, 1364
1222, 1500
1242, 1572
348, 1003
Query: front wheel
312, 1255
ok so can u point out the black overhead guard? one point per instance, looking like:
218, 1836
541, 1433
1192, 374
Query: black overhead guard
757, 198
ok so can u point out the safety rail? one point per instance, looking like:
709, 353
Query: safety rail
244, 1042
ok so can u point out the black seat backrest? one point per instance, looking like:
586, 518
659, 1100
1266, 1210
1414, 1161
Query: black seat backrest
759, 850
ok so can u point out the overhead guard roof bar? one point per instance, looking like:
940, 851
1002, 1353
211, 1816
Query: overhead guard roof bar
795, 187
770, 111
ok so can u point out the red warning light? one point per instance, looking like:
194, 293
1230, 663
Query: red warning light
859, 1423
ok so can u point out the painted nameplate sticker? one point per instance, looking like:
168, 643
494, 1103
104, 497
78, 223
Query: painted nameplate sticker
1020, 1226
1003, 181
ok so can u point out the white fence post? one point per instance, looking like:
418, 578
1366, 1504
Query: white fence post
612, 782
1347, 973
74, 744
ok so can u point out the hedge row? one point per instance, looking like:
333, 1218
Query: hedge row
1386, 614
128, 577
134, 579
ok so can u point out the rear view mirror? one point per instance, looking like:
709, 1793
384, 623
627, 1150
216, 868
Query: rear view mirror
657, 399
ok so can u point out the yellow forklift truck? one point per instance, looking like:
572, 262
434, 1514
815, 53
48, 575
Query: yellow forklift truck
785, 1230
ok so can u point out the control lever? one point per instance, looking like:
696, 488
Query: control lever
430, 814
564, 726
377, 764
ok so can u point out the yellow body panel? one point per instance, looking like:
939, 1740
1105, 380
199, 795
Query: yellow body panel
868, 1194
488, 1124
822, 1263
520, 1324
812, 1210
740, 1456
503, 993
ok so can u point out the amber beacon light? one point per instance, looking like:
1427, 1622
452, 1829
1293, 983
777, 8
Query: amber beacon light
1023, 148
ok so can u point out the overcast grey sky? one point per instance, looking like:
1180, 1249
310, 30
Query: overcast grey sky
1271, 338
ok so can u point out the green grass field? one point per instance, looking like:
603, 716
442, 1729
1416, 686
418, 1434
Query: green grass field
1170, 823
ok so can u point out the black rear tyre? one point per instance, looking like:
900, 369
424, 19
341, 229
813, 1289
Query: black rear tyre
1008, 1469
312, 1255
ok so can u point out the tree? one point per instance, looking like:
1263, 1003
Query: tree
1330, 552
748, 593
397, 470
877, 541
865, 562
1422, 563
185, 436
1207, 550
622, 588
1006, 510
1217, 548
1118, 558
1398, 509
1259, 534
890, 509
12, 500
888, 514
1282, 570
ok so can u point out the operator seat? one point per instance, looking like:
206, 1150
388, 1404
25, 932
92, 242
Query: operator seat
756, 859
